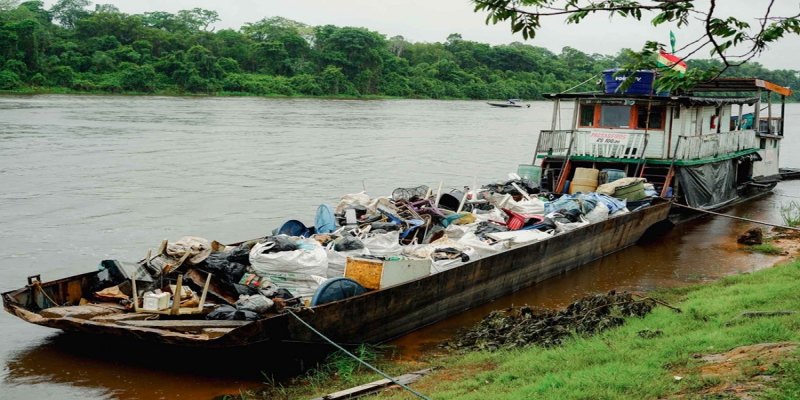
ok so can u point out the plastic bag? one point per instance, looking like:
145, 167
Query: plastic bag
338, 259
229, 313
383, 244
598, 214
353, 199
310, 260
562, 227
257, 303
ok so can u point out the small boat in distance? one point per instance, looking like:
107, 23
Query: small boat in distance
510, 103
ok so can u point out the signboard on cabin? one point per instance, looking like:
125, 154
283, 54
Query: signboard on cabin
608, 138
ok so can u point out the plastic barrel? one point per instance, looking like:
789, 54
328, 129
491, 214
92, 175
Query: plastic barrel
610, 175
530, 172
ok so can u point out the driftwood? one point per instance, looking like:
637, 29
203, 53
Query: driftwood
375, 387
759, 314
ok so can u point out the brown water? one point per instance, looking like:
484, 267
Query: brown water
94, 177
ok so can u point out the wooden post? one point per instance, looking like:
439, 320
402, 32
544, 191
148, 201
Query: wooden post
769, 112
176, 297
783, 112
757, 114
575, 114
556, 106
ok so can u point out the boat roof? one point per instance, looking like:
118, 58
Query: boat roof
690, 97
678, 99
741, 85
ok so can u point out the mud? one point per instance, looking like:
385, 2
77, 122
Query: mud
525, 326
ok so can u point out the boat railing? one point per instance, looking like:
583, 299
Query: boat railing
592, 143
554, 143
715, 144
609, 144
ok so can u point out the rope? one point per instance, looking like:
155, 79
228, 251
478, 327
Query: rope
580, 84
41, 289
420, 395
735, 217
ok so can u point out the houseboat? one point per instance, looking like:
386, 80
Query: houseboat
707, 148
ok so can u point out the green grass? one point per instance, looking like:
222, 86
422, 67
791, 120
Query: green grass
766, 248
790, 213
619, 364
616, 364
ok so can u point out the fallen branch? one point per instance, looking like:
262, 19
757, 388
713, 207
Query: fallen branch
375, 387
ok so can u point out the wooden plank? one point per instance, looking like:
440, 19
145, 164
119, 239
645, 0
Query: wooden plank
180, 323
374, 387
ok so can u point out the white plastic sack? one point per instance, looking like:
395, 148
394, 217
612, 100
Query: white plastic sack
477, 248
496, 215
598, 214
533, 206
516, 238
353, 199
383, 244
338, 259
311, 260
299, 285
455, 232
562, 227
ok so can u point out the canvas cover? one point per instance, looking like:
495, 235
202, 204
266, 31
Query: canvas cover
710, 185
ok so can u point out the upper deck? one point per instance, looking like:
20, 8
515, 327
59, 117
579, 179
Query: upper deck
683, 128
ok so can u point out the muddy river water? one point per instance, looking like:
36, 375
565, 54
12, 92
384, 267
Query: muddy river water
85, 178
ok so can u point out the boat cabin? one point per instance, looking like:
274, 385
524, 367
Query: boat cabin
731, 121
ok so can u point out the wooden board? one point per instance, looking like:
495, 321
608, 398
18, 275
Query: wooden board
193, 324
84, 312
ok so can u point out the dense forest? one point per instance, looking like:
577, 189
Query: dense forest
73, 47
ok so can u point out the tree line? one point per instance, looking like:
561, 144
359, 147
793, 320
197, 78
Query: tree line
73, 47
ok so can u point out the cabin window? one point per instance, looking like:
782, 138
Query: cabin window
615, 116
656, 120
586, 115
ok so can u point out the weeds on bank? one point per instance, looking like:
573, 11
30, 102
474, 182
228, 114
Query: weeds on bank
766, 248
621, 363
790, 213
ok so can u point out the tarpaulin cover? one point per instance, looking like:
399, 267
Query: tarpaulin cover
710, 185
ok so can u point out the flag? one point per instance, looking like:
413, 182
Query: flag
672, 61
672, 41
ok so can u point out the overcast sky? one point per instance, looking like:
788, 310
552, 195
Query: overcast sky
434, 20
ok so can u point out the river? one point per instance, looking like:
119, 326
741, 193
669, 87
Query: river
85, 178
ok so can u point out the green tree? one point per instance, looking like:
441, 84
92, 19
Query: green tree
68, 12
732, 40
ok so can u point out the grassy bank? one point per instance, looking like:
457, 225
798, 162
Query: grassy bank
666, 354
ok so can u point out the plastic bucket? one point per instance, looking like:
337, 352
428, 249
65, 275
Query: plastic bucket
451, 201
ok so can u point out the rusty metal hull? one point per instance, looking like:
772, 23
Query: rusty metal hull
385, 314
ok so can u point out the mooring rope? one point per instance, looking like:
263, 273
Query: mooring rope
420, 395
735, 217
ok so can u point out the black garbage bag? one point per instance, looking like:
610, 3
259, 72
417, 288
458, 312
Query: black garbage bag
241, 254
346, 243
219, 264
279, 243
230, 313
384, 226
486, 227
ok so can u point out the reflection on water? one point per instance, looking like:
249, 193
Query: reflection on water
92, 177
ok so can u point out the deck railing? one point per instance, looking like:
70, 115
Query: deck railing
704, 146
592, 143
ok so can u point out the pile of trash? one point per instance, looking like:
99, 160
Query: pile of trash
300, 265
524, 326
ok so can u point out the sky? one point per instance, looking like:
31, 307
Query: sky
434, 20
